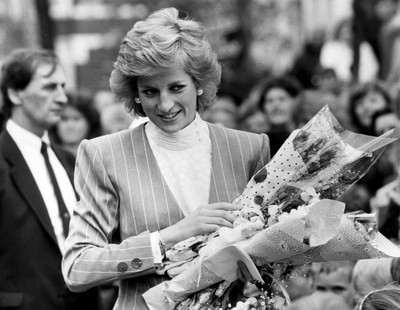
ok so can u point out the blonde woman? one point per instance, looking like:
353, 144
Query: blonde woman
163, 181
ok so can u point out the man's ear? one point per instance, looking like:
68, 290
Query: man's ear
15, 96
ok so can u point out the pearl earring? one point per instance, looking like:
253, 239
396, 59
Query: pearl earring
199, 91
137, 100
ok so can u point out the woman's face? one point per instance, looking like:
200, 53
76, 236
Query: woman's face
278, 106
368, 105
169, 99
73, 127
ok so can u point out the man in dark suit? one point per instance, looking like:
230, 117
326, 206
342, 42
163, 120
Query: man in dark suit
36, 191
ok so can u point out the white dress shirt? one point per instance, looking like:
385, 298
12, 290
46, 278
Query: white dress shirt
29, 144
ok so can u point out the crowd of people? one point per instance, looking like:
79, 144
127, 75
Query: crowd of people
136, 170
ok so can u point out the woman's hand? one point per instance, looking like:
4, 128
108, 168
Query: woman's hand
205, 219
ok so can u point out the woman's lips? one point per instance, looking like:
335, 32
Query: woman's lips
169, 116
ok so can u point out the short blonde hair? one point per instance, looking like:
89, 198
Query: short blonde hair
385, 298
163, 41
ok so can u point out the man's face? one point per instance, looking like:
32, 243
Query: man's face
42, 101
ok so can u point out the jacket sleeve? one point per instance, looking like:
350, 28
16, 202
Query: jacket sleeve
90, 259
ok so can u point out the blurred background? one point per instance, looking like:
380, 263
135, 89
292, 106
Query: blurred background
252, 37
282, 61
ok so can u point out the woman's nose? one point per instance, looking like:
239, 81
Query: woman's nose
166, 103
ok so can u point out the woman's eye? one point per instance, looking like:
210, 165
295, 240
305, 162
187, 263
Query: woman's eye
149, 92
177, 88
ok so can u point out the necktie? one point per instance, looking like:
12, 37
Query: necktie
61, 205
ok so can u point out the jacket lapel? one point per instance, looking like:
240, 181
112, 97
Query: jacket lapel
223, 187
25, 183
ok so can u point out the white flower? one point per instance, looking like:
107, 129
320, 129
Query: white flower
299, 213
241, 306
239, 221
272, 220
309, 195
252, 301
273, 209
250, 229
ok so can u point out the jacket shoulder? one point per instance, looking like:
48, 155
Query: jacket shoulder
237, 134
117, 137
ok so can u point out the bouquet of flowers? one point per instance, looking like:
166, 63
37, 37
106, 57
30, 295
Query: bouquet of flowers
289, 216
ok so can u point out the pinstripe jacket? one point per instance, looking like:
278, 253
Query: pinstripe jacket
122, 190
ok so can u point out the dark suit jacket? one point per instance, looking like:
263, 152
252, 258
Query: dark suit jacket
30, 259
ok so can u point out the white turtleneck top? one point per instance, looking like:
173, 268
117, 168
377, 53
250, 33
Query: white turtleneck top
184, 158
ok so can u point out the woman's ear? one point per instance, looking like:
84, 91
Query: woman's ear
15, 96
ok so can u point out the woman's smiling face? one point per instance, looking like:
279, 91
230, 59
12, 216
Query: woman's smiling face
169, 99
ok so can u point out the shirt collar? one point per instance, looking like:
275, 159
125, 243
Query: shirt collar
25, 138
183, 139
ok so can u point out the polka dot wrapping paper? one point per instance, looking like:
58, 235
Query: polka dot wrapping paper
321, 156
289, 216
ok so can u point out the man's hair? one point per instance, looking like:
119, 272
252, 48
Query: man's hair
18, 69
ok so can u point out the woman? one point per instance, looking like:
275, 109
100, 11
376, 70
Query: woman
80, 120
163, 181
364, 101
278, 100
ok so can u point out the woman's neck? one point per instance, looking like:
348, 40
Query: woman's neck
182, 139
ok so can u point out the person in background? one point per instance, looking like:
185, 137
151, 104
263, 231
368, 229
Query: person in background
299, 282
2, 117
112, 114
385, 298
163, 181
335, 277
371, 274
278, 99
113, 118
310, 102
326, 80
36, 190
386, 204
103, 98
319, 301
307, 62
255, 121
337, 53
223, 112
386, 201
387, 11
79, 120
365, 100
383, 121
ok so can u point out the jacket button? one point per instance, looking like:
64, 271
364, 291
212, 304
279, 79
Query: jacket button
122, 267
136, 263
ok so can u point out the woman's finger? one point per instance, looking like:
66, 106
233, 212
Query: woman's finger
221, 206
